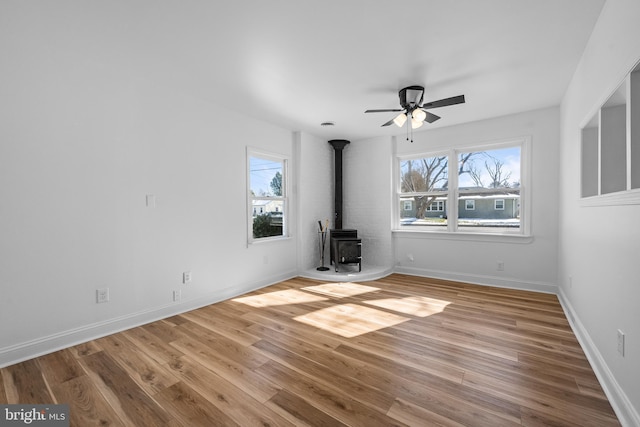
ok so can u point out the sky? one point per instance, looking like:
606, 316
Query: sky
509, 157
261, 172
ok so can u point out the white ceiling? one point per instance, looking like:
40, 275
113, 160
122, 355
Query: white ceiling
297, 63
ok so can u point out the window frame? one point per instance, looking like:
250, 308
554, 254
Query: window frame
593, 144
468, 207
452, 231
284, 198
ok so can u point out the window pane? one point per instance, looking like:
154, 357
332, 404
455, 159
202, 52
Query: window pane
490, 182
268, 218
424, 175
490, 169
265, 177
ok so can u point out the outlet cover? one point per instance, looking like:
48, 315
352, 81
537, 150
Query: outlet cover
102, 295
500, 265
186, 277
621, 342
177, 295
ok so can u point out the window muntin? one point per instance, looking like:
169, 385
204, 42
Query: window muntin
267, 195
487, 187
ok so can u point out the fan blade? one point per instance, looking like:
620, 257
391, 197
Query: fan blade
445, 102
388, 123
430, 117
382, 111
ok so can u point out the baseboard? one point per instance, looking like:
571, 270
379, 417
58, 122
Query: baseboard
48, 344
500, 282
624, 409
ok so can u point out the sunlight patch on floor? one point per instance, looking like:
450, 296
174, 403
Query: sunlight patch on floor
350, 320
415, 306
288, 296
341, 290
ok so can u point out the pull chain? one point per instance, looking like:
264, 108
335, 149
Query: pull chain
409, 126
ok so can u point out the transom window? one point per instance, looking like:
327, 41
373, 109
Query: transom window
476, 189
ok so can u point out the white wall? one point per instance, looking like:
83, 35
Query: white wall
85, 135
367, 202
599, 246
315, 197
528, 264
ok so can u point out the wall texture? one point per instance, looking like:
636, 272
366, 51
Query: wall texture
599, 246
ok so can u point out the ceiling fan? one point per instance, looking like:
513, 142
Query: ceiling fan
412, 107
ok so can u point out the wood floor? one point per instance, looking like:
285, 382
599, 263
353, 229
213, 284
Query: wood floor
397, 351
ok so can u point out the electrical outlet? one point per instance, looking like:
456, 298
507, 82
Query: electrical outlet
500, 266
102, 295
621, 342
186, 277
177, 295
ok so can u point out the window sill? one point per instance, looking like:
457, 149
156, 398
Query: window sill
462, 236
268, 240
629, 197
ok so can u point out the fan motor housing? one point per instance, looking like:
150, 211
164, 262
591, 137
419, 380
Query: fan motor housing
411, 96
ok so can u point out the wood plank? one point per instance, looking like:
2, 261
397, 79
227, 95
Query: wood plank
153, 346
59, 367
320, 374
416, 386
188, 405
145, 371
303, 412
3, 394
87, 405
233, 401
251, 383
25, 384
129, 401
570, 407
330, 400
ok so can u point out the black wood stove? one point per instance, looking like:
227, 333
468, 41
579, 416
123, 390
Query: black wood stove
345, 248
344, 245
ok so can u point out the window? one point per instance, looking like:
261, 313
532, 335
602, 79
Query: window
267, 195
408, 205
436, 206
610, 148
482, 196
424, 182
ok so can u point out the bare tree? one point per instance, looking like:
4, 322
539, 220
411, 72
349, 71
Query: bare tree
429, 174
499, 178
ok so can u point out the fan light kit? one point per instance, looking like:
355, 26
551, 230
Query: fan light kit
412, 107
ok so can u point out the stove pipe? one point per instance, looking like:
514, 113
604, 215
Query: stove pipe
338, 145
